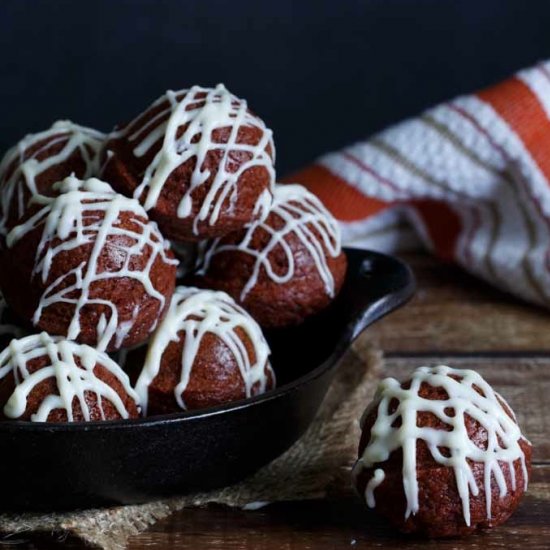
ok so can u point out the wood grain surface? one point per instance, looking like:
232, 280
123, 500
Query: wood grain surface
453, 312
453, 319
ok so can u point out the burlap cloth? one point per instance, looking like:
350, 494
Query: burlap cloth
318, 461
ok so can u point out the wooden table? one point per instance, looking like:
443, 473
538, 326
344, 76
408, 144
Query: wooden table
453, 319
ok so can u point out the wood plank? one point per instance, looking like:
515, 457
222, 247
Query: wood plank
341, 523
455, 312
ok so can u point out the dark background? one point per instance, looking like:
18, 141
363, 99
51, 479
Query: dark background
322, 73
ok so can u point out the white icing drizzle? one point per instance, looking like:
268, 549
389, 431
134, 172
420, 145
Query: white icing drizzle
196, 313
72, 381
70, 221
304, 216
377, 478
503, 434
202, 115
24, 177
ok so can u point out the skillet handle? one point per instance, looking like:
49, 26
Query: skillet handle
378, 284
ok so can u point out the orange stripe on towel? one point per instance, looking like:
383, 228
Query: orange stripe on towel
520, 108
443, 224
344, 201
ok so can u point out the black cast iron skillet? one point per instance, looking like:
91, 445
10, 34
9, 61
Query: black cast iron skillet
65, 466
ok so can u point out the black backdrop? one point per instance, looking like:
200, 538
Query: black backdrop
322, 73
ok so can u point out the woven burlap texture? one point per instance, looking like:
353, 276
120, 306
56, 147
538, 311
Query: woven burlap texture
320, 459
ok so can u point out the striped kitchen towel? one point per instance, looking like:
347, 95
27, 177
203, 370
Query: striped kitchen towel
469, 179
